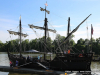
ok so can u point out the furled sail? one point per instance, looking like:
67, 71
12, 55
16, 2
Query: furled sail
68, 37
17, 33
76, 28
42, 28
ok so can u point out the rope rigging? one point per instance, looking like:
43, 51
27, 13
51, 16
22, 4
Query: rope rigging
38, 36
46, 44
59, 16
41, 40
14, 46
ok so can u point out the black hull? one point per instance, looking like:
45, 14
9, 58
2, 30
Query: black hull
67, 62
72, 62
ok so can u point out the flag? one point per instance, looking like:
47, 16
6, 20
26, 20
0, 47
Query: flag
46, 4
91, 29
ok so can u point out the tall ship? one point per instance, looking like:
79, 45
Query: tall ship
63, 61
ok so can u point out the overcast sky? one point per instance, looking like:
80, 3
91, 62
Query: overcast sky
60, 10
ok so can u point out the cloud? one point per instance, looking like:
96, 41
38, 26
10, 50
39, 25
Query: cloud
6, 24
5, 36
82, 33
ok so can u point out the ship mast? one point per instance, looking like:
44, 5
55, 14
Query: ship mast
68, 30
45, 28
68, 36
20, 35
91, 37
68, 26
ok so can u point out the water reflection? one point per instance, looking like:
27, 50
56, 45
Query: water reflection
95, 68
4, 73
4, 60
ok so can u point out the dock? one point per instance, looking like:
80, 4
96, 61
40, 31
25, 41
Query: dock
33, 71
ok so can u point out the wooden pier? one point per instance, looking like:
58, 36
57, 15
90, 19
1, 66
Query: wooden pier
33, 71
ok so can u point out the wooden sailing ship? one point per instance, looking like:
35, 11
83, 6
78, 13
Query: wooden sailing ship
61, 62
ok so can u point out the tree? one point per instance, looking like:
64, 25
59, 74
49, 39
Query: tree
25, 45
80, 41
72, 42
0, 41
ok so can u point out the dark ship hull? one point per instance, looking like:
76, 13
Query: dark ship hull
72, 62
62, 62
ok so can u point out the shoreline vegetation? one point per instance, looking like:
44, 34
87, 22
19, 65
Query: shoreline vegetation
37, 44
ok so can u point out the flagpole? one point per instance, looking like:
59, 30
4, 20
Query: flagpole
45, 24
87, 38
45, 11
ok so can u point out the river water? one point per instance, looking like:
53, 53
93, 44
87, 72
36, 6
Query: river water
4, 61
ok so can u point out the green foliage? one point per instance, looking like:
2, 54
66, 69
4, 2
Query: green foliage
72, 42
52, 46
80, 41
0, 41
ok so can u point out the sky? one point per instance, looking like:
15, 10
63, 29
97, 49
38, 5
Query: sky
60, 10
